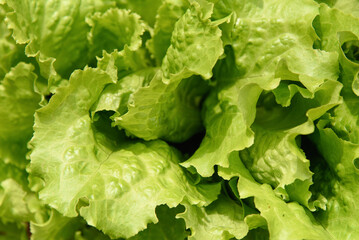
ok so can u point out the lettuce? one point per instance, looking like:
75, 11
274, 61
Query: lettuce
179, 119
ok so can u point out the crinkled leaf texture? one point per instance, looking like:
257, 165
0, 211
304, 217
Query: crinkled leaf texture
227, 123
168, 14
18, 102
168, 108
58, 227
261, 97
285, 220
341, 157
55, 32
337, 135
222, 219
10, 52
260, 60
115, 190
114, 29
195, 46
165, 111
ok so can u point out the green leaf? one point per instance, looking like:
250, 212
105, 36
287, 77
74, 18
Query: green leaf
168, 14
116, 96
57, 227
10, 53
285, 220
116, 191
62, 228
165, 111
168, 227
13, 207
54, 31
147, 9
257, 234
222, 219
262, 58
189, 53
259, 51
10, 171
18, 102
329, 28
90, 233
347, 6
13, 231
168, 108
275, 158
121, 63
227, 121
17, 203
115, 29
341, 157
351, 7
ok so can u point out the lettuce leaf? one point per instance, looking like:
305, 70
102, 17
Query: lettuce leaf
135, 174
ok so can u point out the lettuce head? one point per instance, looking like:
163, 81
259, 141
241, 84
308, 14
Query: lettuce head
179, 119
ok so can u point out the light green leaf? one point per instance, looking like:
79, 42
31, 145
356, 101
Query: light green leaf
347, 6
166, 111
227, 121
115, 29
18, 102
275, 158
350, 63
121, 63
329, 28
116, 191
55, 31
259, 51
284, 50
147, 9
17, 203
285, 220
57, 227
168, 227
168, 14
189, 53
10, 53
309, 67
168, 108
13, 207
221, 220
264, 58
340, 189
343, 38
337, 138
255, 221
115, 97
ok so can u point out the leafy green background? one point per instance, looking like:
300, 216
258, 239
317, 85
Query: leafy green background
179, 119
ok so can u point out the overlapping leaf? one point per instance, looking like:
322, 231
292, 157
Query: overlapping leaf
169, 105
107, 185
285, 220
